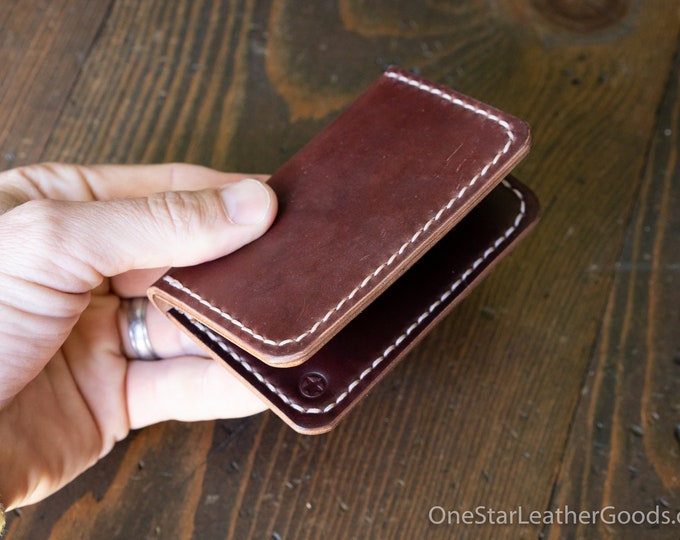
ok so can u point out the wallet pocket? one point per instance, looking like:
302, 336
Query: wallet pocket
386, 218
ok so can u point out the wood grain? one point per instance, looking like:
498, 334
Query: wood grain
166, 83
43, 46
483, 411
624, 448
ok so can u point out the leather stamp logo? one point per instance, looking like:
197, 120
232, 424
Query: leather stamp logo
312, 385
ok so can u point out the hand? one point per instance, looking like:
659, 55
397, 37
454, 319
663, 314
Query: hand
74, 242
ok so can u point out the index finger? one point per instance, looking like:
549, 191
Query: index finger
105, 182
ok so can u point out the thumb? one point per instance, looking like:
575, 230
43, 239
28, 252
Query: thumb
88, 240
184, 227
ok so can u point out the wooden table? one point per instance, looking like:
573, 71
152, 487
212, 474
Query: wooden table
554, 386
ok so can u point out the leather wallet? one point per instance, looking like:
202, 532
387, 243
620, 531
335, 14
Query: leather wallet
387, 218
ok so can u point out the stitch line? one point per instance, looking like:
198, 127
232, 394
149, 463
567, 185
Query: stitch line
219, 341
173, 282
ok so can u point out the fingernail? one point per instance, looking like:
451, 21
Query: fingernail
247, 201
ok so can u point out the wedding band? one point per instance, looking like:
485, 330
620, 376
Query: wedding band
138, 334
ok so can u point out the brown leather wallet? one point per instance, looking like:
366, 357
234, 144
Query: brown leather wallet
387, 218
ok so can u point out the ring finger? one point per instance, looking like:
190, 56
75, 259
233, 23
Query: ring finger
163, 337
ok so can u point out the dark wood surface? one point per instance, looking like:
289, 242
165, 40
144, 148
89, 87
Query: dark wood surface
555, 384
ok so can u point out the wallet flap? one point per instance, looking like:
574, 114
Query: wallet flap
358, 206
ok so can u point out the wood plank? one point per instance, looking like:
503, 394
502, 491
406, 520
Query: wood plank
624, 448
165, 83
479, 414
43, 46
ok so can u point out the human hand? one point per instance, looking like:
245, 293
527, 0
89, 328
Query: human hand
74, 242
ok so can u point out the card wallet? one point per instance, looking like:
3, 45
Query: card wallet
387, 218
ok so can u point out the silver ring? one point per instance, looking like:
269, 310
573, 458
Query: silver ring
138, 334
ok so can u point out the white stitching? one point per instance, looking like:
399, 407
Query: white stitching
173, 282
219, 341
